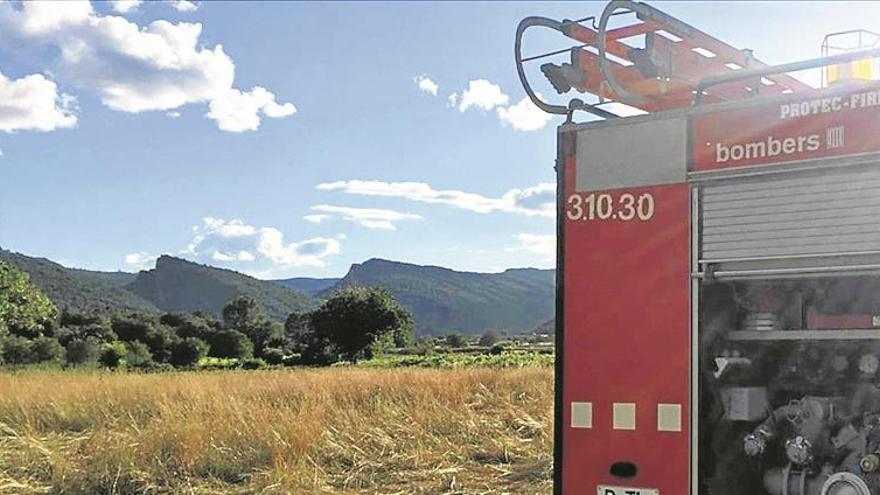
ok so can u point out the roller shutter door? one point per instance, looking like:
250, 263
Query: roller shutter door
794, 215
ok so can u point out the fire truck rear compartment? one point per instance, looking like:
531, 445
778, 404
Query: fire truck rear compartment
788, 311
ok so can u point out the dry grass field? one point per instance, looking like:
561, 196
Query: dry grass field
341, 430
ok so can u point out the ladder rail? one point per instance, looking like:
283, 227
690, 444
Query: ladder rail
814, 63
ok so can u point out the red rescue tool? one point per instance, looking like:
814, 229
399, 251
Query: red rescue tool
718, 264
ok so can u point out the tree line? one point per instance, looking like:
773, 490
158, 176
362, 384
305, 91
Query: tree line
350, 325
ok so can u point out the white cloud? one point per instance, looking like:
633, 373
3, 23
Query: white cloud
222, 228
238, 111
38, 18
33, 103
370, 218
544, 246
538, 243
124, 6
239, 256
184, 5
157, 67
310, 252
141, 260
482, 94
538, 200
264, 250
427, 85
524, 116
316, 218
1, 152
173, 114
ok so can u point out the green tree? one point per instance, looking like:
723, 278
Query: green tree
273, 355
188, 351
17, 350
77, 326
456, 339
490, 338
190, 325
358, 323
138, 355
242, 313
264, 335
297, 332
112, 355
24, 310
146, 329
46, 349
81, 351
230, 344
245, 315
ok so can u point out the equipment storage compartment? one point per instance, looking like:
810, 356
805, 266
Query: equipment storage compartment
783, 410
788, 329
821, 218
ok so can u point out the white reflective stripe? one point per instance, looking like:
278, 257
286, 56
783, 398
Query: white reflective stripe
668, 417
624, 416
581, 414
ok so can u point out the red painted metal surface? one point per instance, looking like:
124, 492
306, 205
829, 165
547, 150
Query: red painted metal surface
627, 340
838, 123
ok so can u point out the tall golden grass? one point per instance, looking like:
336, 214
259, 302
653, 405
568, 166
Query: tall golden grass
340, 431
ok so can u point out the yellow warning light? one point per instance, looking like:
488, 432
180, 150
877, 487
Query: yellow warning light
858, 70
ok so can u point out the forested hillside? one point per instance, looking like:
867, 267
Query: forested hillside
442, 299
179, 285
79, 290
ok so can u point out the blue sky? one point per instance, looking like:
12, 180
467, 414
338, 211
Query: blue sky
308, 142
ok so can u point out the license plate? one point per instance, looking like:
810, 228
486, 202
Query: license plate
620, 490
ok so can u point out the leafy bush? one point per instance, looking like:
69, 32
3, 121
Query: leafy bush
496, 349
97, 329
137, 355
490, 338
213, 363
230, 344
188, 352
45, 349
146, 329
112, 355
154, 367
81, 351
17, 350
292, 360
273, 355
190, 325
456, 339
509, 359
253, 364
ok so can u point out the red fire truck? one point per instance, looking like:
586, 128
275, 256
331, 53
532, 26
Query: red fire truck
718, 303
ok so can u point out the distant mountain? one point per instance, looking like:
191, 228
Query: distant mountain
546, 328
79, 290
309, 286
180, 285
443, 300
117, 279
